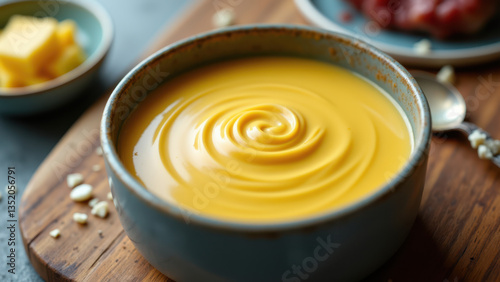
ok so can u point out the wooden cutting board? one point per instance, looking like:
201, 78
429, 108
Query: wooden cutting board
455, 237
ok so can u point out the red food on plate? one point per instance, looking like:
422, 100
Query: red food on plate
441, 18
345, 17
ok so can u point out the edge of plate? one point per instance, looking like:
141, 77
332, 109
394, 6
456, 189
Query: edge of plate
438, 58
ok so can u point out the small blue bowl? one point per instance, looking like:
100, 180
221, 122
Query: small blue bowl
95, 34
344, 244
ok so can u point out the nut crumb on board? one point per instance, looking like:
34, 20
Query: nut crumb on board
55, 233
74, 179
99, 151
93, 202
80, 217
96, 168
81, 193
110, 196
100, 209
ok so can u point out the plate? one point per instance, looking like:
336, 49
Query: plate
480, 48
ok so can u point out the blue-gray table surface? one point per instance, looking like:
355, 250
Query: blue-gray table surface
25, 142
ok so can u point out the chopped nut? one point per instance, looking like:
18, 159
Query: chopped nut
99, 151
74, 179
93, 202
81, 193
423, 47
55, 233
446, 75
484, 152
493, 145
110, 196
99, 232
100, 209
477, 138
223, 18
80, 218
96, 168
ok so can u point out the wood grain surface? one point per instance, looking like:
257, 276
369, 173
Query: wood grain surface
455, 237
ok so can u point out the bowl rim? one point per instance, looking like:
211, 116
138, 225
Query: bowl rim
104, 19
119, 171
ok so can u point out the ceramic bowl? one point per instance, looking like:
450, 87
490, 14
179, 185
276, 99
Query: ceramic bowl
95, 34
342, 245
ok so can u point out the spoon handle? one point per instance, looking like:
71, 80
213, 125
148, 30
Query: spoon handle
496, 160
469, 128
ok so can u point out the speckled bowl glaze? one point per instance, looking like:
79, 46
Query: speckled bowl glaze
342, 245
95, 34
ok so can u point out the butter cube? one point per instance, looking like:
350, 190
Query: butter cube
71, 57
66, 32
35, 80
27, 44
7, 79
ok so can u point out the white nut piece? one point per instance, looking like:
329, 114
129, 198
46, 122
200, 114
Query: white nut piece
99, 151
110, 196
493, 145
55, 233
81, 193
423, 47
223, 18
96, 168
74, 179
80, 218
484, 152
477, 138
100, 209
93, 202
446, 75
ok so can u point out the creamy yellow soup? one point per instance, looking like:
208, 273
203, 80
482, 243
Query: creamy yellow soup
265, 139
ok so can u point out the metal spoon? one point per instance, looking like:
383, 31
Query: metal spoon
447, 107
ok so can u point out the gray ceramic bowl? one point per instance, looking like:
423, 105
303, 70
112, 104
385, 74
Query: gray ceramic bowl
95, 34
344, 244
